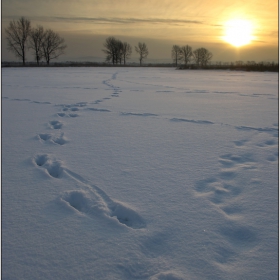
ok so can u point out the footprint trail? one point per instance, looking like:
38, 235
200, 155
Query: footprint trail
89, 200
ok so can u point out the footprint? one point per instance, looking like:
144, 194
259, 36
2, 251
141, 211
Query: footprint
217, 191
240, 143
22, 99
73, 115
228, 161
52, 166
81, 104
40, 160
95, 199
84, 203
61, 114
97, 101
139, 114
74, 109
55, 124
61, 140
191, 121
38, 102
98, 110
45, 136
239, 236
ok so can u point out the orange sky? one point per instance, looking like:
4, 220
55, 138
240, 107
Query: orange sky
160, 23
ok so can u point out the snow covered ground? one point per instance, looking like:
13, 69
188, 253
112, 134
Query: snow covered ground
139, 173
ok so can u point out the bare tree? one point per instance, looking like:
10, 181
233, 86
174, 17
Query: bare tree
53, 45
202, 56
119, 51
116, 50
176, 54
17, 34
186, 54
142, 50
112, 49
36, 42
126, 51
109, 49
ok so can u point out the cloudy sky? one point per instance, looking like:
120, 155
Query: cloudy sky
85, 24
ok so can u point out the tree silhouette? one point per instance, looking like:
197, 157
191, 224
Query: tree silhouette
116, 50
36, 42
53, 45
17, 34
142, 50
202, 56
113, 50
126, 51
186, 54
176, 54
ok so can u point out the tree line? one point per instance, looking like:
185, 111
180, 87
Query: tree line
48, 45
185, 54
118, 52
45, 44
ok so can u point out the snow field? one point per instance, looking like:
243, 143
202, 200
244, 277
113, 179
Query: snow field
119, 173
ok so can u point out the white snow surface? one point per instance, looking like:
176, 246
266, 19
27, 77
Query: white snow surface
139, 173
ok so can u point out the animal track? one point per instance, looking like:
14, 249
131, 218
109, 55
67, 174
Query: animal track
38, 102
271, 130
52, 166
55, 124
40, 160
222, 191
240, 143
97, 101
244, 161
191, 121
91, 202
61, 140
94, 199
61, 114
91, 199
239, 236
98, 110
72, 115
74, 109
139, 114
216, 190
45, 136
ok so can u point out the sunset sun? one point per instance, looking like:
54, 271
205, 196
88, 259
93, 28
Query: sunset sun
238, 32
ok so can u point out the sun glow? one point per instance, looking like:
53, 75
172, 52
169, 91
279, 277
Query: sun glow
238, 32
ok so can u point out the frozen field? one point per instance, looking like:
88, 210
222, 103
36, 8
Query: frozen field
139, 173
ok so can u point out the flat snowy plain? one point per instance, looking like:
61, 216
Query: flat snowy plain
139, 173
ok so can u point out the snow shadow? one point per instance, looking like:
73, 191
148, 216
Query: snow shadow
89, 203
